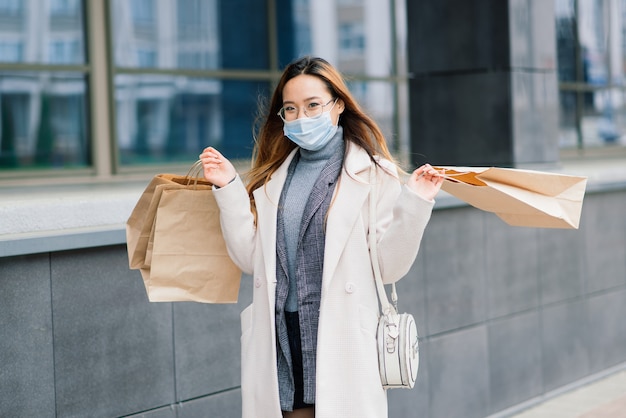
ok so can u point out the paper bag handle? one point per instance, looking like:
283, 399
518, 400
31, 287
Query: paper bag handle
194, 176
451, 175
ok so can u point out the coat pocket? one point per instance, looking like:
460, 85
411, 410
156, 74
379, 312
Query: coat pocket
369, 319
246, 320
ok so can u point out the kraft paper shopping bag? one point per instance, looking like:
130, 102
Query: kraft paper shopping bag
189, 256
186, 222
141, 221
520, 197
147, 232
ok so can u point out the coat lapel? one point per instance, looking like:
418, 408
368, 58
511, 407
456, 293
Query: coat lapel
266, 199
344, 212
350, 195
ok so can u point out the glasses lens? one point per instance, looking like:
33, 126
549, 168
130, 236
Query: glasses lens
315, 113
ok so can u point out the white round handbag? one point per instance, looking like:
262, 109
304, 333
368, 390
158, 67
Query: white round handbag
398, 350
396, 336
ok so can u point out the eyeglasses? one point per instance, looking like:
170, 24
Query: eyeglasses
313, 110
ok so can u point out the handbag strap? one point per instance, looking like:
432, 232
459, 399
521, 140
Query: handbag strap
385, 306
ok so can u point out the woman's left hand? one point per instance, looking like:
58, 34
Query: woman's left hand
426, 181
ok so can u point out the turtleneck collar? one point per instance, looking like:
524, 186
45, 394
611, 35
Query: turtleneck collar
334, 145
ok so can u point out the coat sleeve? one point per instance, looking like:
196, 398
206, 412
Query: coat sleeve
402, 216
237, 222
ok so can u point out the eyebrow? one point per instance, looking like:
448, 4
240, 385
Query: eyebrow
308, 99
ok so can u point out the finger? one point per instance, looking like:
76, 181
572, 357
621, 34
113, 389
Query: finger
418, 174
211, 152
425, 169
433, 172
215, 153
420, 171
206, 152
209, 158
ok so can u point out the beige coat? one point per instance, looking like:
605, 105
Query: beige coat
348, 382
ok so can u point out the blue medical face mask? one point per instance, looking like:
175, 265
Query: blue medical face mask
311, 133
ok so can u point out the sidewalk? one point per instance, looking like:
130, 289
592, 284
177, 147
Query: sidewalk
603, 398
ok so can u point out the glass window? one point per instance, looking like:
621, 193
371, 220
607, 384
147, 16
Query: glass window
142, 12
590, 48
162, 119
43, 112
59, 38
65, 51
184, 74
378, 99
351, 39
11, 51
11, 7
43, 121
67, 8
355, 36
190, 34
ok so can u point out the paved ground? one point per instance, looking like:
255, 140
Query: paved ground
604, 398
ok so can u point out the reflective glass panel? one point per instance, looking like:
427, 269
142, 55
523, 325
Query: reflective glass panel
173, 118
43, 122
43, 31
377, 99
590, 46
190, 34
594, 40
566, 41
568, 134
600, 123
353, 35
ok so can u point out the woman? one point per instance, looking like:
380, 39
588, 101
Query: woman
300, 228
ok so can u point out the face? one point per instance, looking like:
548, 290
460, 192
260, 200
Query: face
307, 93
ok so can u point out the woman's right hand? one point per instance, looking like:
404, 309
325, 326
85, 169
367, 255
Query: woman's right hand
216, 168
426, 181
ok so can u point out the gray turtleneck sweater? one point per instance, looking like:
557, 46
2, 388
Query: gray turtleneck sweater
307, 170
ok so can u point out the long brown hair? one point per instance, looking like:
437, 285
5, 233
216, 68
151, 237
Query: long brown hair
272, 147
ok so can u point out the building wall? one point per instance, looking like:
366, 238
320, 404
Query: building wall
505, 314
484, 89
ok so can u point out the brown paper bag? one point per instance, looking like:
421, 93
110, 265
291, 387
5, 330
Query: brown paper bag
175, 286
139, 224
520, 197
147, 232
189, 257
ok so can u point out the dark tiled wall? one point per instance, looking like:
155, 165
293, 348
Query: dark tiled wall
513, 313
78, 338
26, 335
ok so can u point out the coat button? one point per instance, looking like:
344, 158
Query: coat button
257, 282
350, 287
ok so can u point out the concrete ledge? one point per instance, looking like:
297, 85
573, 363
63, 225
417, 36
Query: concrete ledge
40, 219
36, 219
52, 241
